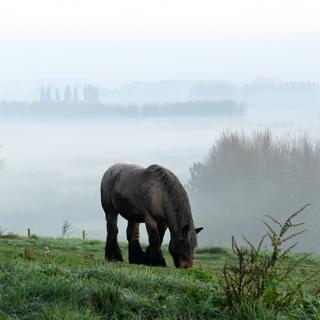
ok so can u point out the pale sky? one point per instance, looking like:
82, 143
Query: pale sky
164, 16
112, 42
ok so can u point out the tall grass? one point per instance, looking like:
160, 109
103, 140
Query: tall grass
70, 279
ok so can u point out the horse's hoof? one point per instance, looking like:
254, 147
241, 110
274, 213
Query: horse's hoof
156, 262
114, 259
161, 264
136, 255
136, 259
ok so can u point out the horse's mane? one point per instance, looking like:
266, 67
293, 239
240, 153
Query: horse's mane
177, 193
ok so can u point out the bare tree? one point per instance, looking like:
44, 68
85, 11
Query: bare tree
2, 231
66, 229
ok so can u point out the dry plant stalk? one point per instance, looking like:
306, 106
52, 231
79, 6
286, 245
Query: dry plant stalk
257, 274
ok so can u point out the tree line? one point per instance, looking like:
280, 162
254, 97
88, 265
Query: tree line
92, 109
246, 176
69, 94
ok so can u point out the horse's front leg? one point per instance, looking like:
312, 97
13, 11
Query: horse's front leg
153, 255
136, 254
112, 249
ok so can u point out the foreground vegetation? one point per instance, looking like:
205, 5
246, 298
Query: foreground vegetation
69, 279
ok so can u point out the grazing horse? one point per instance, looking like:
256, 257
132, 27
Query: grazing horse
153, 196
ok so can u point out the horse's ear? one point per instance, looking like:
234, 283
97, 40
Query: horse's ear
198, 229
185, 230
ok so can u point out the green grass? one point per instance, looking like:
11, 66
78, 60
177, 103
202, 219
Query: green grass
69, 279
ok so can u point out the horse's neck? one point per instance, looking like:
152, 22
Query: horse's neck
174, 224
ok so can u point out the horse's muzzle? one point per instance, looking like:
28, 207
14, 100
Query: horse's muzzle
185, 264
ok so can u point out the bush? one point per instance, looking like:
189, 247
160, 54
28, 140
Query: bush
2, 231
27, 254
10, 235
245, 174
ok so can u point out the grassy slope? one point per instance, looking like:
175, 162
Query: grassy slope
69, 279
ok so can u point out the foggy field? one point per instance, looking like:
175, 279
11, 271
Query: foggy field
52, 169
69, 279
219, 101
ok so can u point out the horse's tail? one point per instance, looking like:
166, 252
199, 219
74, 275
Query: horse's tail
107, 185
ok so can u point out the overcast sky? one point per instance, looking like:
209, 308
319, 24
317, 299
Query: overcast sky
116, 41
163, 16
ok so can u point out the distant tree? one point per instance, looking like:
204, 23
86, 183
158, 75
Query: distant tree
67, 94
246, 175
90, 94
57, 95
2, 231
95, 94
66, 229
85, 93
75, 95
48, 97
42, 94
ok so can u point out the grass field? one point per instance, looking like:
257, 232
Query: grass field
69, 279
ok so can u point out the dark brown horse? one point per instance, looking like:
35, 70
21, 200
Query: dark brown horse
153, 196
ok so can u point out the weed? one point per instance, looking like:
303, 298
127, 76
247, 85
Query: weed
27, 254
258, 276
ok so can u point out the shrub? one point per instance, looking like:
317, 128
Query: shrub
10, 235
2, 231
245, 174
27, 254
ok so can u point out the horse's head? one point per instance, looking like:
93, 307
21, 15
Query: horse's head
182, 245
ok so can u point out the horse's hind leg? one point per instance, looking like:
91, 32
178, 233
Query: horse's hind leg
153, 255
136, 254
162, 227
112, 249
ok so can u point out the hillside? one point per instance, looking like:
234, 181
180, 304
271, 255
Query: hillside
69, 279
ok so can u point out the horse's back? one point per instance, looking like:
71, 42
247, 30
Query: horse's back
109, 179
